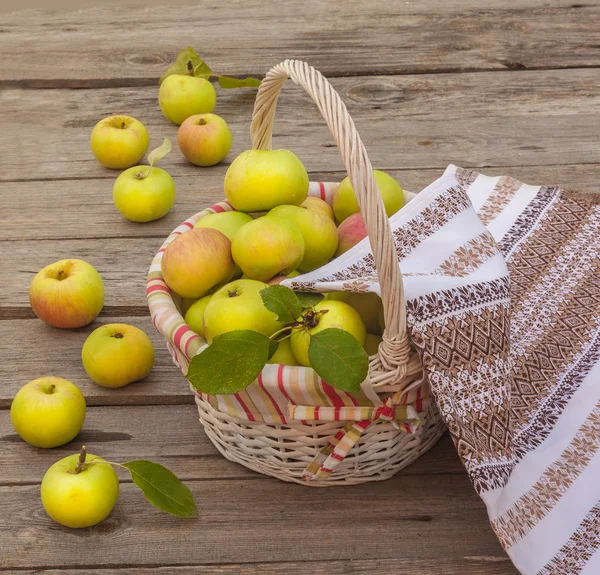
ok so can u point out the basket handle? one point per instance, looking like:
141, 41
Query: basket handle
394, 350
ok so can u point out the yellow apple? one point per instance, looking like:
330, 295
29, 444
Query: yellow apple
284, 354
181, 96
143, 194
319, 233
119, 142
227, 223
204, 139
319, 206
194, 316
372, 343
337, 295
368, 306
238, 305
339, 315
196, 261
351, 231
259, 180
79, 499
267, 247
48, 412
345, 204
67, 294
116, 354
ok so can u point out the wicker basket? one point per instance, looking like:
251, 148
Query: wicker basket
350, 438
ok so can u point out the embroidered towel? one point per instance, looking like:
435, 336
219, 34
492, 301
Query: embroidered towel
503, 300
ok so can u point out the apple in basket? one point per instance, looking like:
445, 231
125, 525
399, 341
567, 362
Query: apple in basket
351, 231
204, 139
183, 95
194, 316
259, 180
227, 223
119, 142
319, 206
368, 306
196, 261
345, 203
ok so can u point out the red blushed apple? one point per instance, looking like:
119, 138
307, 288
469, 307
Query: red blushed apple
351, 231
67, 294
204, 139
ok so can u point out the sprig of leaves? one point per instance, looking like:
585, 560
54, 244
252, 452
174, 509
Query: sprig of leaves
236, 358
156, 156
188, 62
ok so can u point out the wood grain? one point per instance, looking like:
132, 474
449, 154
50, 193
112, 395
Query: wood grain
96, 47
243, 521
406, 122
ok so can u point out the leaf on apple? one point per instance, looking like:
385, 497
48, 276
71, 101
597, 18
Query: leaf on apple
228, 83
162, 488
159, 153
308, 300
180, 66
231, 363
283, 302
339, 359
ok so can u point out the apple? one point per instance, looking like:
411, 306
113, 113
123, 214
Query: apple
339, 315
345, 204
319, 233
204, 139
368, 306
319, 206
267, 247
278, 279
119, 142
338, 295
116, 354
351, 231
381, 320
372, 343
227, 223
238, 305
48, 412
181, 96
67, 294
259, 180
196, 261
194, 316
79, 496
143, 194
284, 354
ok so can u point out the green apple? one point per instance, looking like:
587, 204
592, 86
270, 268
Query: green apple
194, 316
338, 295
119, 142
79, 498
319, 206
238, 305
67, 294
372, 343
338, 315
181, 96
116, 354
204, 139
259, 180
267, 247
196, 261
345, 204
351, 231
48, 412
368, 306
227, 223
284, 354
319, 233
143, 194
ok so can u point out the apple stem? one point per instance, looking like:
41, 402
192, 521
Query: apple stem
190, 68
122, 125
81, 461
51, 389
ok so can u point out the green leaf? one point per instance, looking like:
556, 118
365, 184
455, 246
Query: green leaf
162, 488
180, 66
228, 83
283, 302
338, 358
273, 346
159, 153
231, 363
309, 299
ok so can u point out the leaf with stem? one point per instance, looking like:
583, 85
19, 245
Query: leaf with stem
309, 299
158, 154
283, 302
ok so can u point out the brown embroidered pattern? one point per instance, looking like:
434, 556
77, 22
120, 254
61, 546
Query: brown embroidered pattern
502, 194
465, 177
469, 257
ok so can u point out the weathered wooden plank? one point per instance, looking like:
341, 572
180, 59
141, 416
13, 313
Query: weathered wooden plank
168, 434
94, 46
406, 122
260, 521
491, 565
29, 208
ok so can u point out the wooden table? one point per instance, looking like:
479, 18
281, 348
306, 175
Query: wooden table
512, 88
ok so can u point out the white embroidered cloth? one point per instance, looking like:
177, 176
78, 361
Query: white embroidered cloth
503, 299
